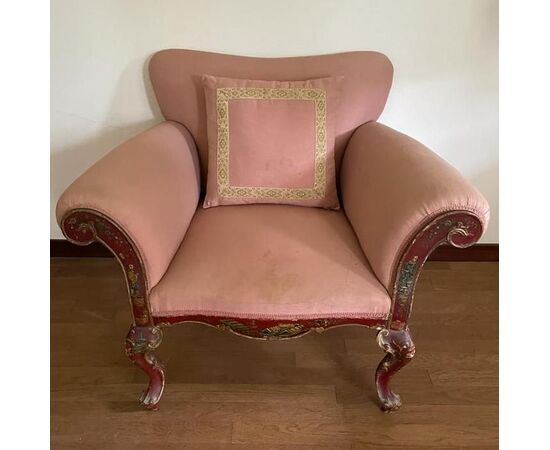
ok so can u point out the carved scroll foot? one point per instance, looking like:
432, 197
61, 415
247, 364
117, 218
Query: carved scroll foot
140, 343
399, 349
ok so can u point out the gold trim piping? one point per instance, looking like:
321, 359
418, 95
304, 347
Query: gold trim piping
318, 96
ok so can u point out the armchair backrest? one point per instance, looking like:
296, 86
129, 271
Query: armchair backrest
176, 78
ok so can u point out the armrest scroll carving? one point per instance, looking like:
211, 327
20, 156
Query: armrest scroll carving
458, 228
84, 226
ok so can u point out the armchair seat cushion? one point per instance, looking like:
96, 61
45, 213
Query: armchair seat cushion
271, 262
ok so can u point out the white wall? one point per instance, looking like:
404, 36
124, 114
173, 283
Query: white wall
445, 54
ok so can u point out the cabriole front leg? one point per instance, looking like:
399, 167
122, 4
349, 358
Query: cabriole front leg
399, 349
140, 343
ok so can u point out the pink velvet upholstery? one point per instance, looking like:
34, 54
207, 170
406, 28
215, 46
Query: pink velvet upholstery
391, 186
149, 186
270, 261
271, 141
176, 78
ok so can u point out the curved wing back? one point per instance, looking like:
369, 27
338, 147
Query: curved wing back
175, 75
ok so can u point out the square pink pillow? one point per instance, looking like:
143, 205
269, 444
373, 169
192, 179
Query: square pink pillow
271, 141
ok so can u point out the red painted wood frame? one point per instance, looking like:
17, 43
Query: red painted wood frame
457, 228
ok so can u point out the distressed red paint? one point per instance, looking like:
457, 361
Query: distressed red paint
458, 228
270, 328
82, 227
140, 343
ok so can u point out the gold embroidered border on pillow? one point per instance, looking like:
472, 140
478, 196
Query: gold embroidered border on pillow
318, 96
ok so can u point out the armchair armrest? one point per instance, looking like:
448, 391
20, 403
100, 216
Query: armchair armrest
403, 200
138, 200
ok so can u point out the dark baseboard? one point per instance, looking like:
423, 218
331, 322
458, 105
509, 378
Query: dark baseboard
477, 252
60, 248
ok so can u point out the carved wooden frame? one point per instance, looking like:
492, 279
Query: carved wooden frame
457, 228
84, 226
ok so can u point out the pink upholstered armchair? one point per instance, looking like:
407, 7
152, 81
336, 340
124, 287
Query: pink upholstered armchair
272, 271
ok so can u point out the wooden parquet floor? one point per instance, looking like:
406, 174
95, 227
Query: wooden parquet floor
224, 392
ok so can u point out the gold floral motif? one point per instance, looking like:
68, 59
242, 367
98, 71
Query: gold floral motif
139, 301
283, 330
235, 326
279, 331
318, 96
142, 319
84, 227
